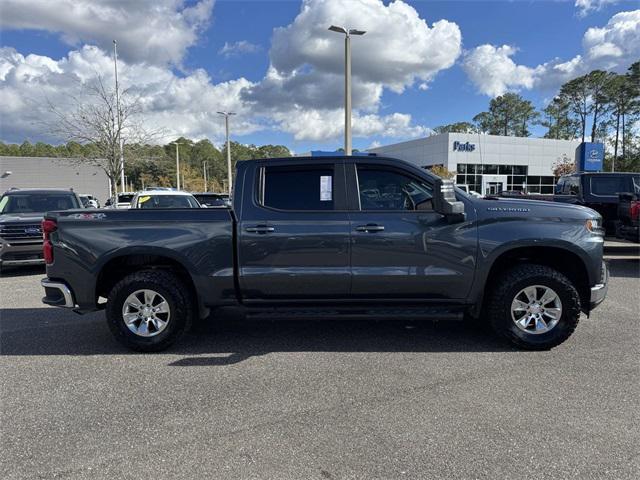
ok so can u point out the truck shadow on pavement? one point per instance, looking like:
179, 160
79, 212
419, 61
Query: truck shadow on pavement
23, 271
230, 339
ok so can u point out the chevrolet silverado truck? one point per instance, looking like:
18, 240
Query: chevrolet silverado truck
326, 237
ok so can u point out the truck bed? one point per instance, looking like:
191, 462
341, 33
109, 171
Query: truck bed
86, 242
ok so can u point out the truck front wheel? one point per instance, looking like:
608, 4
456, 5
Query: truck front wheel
534, 306
149, 310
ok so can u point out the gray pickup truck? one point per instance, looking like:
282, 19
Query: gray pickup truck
332, 236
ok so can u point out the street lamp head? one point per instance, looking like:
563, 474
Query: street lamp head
333, 28
227, 113
356, 32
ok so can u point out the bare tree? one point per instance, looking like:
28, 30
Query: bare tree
96, 118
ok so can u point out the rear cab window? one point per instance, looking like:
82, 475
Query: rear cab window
297, 187
610, 186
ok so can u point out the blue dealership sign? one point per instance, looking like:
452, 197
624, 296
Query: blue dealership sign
590, 157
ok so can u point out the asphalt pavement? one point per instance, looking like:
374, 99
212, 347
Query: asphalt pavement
390, 399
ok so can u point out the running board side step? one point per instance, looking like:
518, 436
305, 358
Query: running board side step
387, 313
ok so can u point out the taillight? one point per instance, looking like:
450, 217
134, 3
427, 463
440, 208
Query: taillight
635, 210
48, 227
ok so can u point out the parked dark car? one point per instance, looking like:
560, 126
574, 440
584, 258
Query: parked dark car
21, 213
629, 217
215, 200
332, 236
598, 191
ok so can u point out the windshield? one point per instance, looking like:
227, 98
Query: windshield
167, 201
212, 200
125, 197
37, 202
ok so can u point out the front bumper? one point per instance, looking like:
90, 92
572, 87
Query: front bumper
629, 232
599, 291
20, 253
57, 294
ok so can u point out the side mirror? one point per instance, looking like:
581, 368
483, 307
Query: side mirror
445, 203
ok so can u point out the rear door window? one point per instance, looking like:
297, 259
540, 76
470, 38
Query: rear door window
299, 187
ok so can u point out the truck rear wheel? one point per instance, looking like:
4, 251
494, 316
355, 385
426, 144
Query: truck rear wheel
534, 306
149, 310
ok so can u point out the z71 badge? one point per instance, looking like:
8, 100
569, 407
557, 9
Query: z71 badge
88, 216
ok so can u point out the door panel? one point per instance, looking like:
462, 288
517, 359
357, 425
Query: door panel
400, 252
417, 255
296, 254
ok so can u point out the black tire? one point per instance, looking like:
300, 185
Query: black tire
171, 288
513, 281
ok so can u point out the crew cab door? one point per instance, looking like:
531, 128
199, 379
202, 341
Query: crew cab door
294, 232
401, 247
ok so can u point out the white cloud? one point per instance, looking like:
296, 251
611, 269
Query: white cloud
611, 47
150, 31
238, 48
321, 125
181, 105
493, 72
585, 7
301, 93
303, 88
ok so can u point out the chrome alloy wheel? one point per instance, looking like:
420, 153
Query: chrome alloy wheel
536, 309
146, 313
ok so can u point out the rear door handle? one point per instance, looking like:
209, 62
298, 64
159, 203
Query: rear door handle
370, 227
259, 229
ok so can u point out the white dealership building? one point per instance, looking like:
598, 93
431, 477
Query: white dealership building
488, 163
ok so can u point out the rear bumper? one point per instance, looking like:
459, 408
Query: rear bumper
599, 291
57, 294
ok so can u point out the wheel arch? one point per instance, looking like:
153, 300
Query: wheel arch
565, 261
126, 263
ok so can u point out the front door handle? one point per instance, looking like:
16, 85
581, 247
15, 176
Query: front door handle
259, 229
370, 228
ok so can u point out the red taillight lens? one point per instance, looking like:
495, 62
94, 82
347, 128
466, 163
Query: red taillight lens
635, 210
48, 227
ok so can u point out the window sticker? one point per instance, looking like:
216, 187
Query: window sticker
326, 194
143, 199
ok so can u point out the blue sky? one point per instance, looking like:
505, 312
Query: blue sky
483, 48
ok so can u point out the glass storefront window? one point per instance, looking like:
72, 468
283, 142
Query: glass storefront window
547, 180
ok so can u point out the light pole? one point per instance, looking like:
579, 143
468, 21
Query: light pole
177, 165
226, 125
347, 82
204, 174
119, 115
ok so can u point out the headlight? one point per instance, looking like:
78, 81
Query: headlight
594, 226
